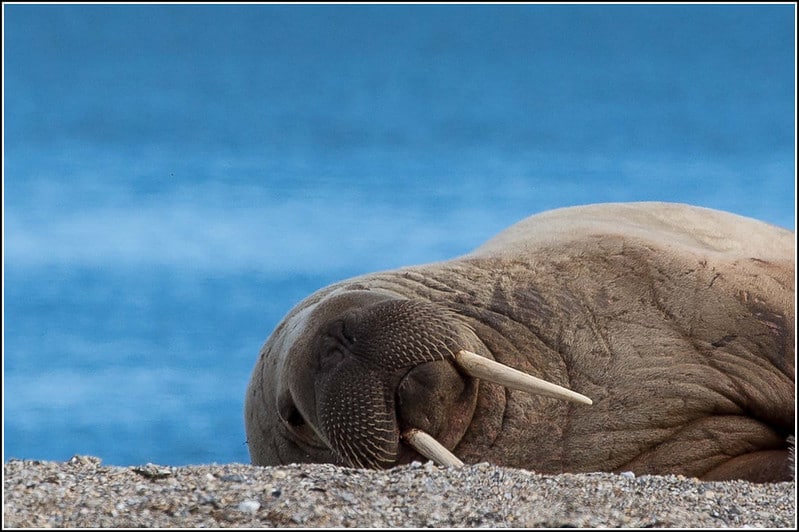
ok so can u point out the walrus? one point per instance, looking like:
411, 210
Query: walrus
648, 337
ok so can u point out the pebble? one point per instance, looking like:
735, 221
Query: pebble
249, 507
87, 494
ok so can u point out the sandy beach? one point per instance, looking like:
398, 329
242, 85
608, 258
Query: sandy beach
81, 492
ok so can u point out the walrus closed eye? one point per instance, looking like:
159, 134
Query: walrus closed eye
677, 321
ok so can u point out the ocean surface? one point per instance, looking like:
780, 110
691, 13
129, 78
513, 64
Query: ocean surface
177, 177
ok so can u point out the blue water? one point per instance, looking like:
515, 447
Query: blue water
177, 177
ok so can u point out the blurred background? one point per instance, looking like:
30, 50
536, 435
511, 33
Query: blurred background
177, 177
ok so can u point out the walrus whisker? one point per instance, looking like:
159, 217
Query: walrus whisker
429, 447
491, 371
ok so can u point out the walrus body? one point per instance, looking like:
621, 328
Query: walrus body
677, 321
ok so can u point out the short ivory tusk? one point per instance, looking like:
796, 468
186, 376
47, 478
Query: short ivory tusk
486, 369
428, 447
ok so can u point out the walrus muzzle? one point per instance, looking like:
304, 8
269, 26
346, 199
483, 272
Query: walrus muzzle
373, 366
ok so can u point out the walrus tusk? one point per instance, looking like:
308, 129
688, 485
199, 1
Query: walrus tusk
429, 447
486, 369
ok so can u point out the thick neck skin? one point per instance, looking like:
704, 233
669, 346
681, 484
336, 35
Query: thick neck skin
688, 361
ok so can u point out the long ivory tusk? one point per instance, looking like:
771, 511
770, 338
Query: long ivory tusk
428, 447
486, 369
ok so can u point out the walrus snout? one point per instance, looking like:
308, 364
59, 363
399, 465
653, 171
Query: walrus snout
419, 351
363, 357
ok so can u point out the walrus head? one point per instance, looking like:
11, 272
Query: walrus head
367, 378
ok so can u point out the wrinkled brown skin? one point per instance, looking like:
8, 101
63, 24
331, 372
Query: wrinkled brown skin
677, 321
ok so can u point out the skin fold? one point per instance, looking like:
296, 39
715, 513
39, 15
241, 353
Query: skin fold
677, 321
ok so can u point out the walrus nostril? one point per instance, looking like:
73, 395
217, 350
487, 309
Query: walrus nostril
295, 419
295, 423
290, 414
